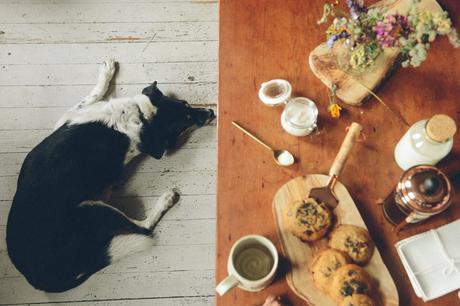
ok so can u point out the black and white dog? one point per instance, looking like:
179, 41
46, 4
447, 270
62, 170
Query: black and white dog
60, 228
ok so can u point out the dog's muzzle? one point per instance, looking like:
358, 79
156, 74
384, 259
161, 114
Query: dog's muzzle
202, 116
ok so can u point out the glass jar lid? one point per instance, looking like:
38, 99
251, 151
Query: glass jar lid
275, 92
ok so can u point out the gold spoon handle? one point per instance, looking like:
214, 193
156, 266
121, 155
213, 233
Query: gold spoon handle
252, 136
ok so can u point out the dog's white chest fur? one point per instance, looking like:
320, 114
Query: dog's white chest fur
124, 115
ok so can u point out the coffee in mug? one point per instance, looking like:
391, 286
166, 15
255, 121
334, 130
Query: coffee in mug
254, 262
251, 265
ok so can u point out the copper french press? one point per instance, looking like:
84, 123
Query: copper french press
423, 191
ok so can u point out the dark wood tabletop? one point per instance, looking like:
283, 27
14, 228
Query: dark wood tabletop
262, 40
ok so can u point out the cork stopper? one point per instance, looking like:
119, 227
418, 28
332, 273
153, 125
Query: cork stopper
441, 127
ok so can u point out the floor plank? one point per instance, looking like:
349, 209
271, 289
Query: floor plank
109, 32
45, 96
78, 74
124, 53
104, 12
141, 285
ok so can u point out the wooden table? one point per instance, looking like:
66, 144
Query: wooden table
263, 40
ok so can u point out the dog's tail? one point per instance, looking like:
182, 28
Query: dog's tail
55, 285
59, 286
119, 247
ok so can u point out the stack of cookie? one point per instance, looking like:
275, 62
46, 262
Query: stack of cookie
337, 269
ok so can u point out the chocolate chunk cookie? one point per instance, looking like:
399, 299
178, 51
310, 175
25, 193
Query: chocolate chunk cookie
308, 219
325, 263
354, 241
348, 280
357, 300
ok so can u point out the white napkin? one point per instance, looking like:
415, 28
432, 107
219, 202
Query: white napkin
432, 260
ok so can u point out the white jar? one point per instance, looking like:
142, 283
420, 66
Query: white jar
426, 142
299, 117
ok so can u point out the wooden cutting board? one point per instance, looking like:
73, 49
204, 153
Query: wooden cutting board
350, 88
300, 254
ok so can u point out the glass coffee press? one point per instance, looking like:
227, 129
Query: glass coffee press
423, 191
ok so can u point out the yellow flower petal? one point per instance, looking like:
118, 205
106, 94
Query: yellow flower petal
334, 109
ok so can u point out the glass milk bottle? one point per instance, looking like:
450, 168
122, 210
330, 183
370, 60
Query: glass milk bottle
426, 142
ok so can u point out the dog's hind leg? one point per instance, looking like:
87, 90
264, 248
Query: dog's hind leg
129, 236
122, 245
164, 203
106, 72
113, 220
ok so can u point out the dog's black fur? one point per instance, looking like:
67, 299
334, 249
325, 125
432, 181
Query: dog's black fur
57, 243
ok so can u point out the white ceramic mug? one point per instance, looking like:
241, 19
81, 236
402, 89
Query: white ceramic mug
251, 265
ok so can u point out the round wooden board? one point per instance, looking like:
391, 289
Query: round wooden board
300, 254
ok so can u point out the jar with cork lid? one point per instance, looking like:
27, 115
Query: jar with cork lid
426, 142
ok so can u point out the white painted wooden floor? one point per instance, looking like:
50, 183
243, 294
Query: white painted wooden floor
49, 56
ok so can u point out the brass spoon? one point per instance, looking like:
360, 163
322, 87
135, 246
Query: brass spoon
282, 157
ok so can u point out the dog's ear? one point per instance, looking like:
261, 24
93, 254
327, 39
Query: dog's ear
153, 93
153, 141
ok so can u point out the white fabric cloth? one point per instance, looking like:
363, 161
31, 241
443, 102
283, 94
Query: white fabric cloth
432, 260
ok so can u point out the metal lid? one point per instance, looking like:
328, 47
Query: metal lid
425, 189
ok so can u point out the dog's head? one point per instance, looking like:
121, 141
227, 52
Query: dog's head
173, 118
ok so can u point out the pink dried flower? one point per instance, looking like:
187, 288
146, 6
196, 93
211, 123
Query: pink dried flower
391, 28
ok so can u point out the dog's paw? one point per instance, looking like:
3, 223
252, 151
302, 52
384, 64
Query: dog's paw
169, 198
108, 68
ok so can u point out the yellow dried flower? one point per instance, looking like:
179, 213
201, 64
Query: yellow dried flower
334, 109
444, 26
425, 16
